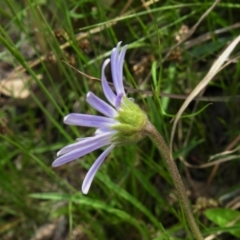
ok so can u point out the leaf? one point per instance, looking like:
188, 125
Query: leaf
95, 204
227, 218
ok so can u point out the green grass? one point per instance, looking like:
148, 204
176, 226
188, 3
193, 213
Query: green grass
132, 196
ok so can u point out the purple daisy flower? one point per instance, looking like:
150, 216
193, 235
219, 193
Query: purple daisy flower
122, 122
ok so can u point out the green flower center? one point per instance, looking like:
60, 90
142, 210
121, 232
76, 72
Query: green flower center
132, 121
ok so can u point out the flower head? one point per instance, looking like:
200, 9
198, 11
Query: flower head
123, 121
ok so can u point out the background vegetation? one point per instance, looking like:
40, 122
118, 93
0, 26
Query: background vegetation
132, 196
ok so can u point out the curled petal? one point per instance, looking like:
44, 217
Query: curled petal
117, 60
109, 94
93, 170
118, 100
118, 45
86, 120
101, 106
77, 153
120, 69
114, 66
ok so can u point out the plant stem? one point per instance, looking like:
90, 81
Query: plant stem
152, 132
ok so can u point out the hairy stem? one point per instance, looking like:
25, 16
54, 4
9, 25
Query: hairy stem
152, 132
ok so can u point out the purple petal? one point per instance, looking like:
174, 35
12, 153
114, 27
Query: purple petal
86, 120
109, 94
77, 153
118, 100
93, 170
86, 142
101, 106
114, 66
104, 130
117, 60
119, 69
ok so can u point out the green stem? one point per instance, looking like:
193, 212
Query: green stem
152, 132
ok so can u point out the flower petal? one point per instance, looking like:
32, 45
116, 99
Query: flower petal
86, 142
86, 120
117, 59
77, 153
120, 69
101, 106
118, 100
109, 94
114, 66
104, 130
93, 170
